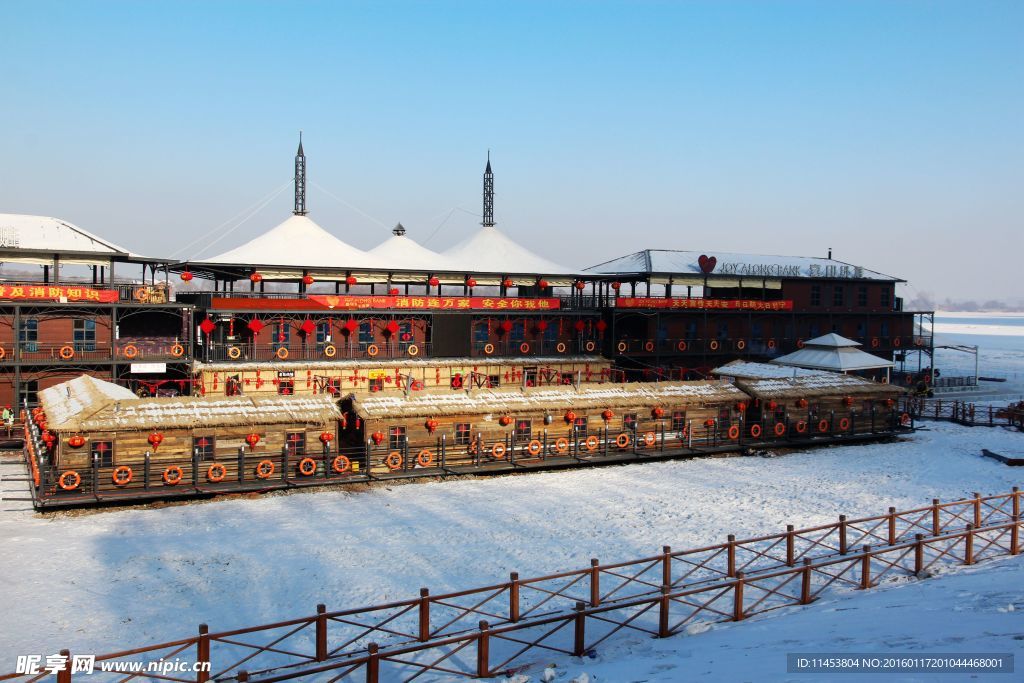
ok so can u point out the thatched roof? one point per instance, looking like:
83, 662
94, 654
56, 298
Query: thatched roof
819, 385
751, 370
86, 404
392, 363
535, 399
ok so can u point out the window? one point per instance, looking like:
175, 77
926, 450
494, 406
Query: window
862, 295
365, 333
580, 425
396, 438
296, 442
568, 377
405, 334
629, 422
815, 295
523, 430
28, 334
838, 295
27, 391
323, 334
551, 334
286, 387
282, 335
463, 433
375, 384
333, 386
233, 386
724, 418
678, 421
723, 331
518, 332
884, 329
861, 330
203, 446
493, 381
886, 297
530, 375
481, 333
103, 453
85, 335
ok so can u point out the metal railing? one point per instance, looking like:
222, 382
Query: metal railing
126, 349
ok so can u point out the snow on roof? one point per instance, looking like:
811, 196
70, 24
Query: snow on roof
830, 340
403, 253
807, 386
750, 370
297, 242
489, 401
835, 359
491, 251
734, 265
43, 233
86, 404
327, 366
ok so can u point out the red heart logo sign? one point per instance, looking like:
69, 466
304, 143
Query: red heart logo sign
707, 263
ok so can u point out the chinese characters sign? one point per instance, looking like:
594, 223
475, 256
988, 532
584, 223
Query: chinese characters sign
57, 293
441, 303
704, 304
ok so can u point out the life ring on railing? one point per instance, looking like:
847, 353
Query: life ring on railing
534, 447
561, 444
801, 427
142, 294
307, 467
69, 481
799, 343
622, 440
498, 450
713, 345
234, 353
3, 352
844, 424
897, 342
779, 429
918, 341
589, 346
216, 472
741, 344
488, 348
177, 350
393, 461
908, 379
755, 431
591, 443
822, 425
282, 352
681, 346
121, 476
560, 347
413, 350
905, 419
734, 432
330, 350
648, 346
172, 475
875, 343
771, 343
130, 351
341, 464
372, 350
425, 458
264, 468
67, 352
649, 439
622, 346
524, 348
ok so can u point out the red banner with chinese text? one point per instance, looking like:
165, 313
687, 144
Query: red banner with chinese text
57, 293
704, 304
441, 303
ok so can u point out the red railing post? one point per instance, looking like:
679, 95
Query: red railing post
483, 667
64, 674
969, 545
977, 509
243, 676
203, 653
1015, 494
892, 526
918, 554
321, 633
595, 583
579, 630
1015, 536
666, 565
936, 526
663, 613
790, 550
513, 597
372, 663
842, 535
805, 583
424, 606
737, 598
730, 554
865, 568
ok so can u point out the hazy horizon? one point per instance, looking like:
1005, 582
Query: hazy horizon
888, 132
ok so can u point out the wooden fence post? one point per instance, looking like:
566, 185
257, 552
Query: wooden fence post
664, 604
483, 667
892, 526
805, 583
243, 676
203, 653
321, 633
842, 535
865, 568
737, 598
790, 550
64, 674
595, 583
666, 566
936, 526
977, 509
730, 554
918, 554
969, 545
424, 606
513, 597
1016, 501
1015, 536
579, 630
372, 663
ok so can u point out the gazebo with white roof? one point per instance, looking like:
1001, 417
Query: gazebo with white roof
834, 353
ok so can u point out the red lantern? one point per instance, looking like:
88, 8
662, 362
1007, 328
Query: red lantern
542, 325
889, 403
580, 326
252, 439
848, 401
508, 283
186, 276
709, 423
470, 282
616, 286
505, 326
772, 405
505, 420
434, 282
581, 285
658, 413
601, 325
256, 277
391, 327
543, 284
741, 406
801, 403
76, 441
155, 439
307, 280
607, 415
570, 416
393, 291
326, 437
351, 325
350, 280
431, 425
377, 437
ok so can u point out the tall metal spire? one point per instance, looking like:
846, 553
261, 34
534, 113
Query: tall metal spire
300, 180
488, 221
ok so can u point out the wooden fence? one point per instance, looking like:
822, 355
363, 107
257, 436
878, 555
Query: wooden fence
965, 413
497, 629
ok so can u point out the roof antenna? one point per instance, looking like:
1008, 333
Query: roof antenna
398, 230
488, 221
830, 253
300, 180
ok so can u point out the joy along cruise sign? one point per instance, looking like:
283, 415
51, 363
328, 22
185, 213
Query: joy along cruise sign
708, 264
444, 303
57, 293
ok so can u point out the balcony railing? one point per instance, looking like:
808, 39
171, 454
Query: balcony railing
754, 345
124, 350
248, 351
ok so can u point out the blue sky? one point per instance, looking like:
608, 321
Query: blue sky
889, 131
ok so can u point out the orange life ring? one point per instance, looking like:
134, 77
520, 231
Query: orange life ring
681, 346
3, 352
591, 443
561, 444
393, 461
799, 343
622, 440
282, 352
918, 341
173, 475
372, 350
771, 343
142, 294
67, 352
755, 431
488, 348
589, 346
823, 425
534, 447
875, 343
844, 424
177, 350
649, 439
908, 379
216, 472
122, 475
69, 480
560, 347
498, 450
779, 429
264, 468
234, 353
341, 464
130, 351
801, 427
741, 344
622, 346
425, 458
734, 432
713, 345
897, 342
307, 467
413, 350
649, 346
524, 348
330, 350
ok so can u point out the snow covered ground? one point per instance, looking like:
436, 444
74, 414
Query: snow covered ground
101, 581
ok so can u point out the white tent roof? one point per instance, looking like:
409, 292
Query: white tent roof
297, 242
832, 352
744, 369
403, 253
491, 251
43, 233
831, 341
